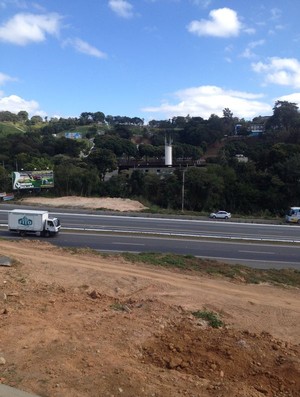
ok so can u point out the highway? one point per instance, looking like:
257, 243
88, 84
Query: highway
179, 226
258, 245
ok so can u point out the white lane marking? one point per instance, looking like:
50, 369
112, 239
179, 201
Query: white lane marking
116, 243
258, 252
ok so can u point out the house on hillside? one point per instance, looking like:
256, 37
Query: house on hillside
241, 158
256, 129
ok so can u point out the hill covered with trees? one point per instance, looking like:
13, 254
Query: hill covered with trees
269, 182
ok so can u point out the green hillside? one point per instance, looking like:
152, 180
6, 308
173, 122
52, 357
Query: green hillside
7, 128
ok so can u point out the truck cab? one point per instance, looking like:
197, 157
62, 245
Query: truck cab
52, 227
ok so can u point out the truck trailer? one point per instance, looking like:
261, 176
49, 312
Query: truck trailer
32, 222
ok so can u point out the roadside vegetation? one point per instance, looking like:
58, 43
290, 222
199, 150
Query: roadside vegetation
288, 277
238, 273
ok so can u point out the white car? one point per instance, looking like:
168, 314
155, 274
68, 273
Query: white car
220, 215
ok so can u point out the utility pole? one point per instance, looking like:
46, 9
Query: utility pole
182, 191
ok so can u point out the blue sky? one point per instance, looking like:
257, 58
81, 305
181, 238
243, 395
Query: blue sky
153, 59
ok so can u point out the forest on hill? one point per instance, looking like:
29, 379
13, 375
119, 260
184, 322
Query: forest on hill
205, 153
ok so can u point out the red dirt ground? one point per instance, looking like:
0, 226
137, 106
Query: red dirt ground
85, 325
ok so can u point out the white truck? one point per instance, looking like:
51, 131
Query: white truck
32, 222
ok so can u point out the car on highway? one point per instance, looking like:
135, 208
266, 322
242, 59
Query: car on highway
220, 215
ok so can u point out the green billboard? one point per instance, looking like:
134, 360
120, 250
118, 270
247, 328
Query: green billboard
32, 180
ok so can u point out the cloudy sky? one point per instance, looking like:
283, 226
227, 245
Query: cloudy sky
153, 59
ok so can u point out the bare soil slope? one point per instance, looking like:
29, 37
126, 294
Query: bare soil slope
109, 203
84, 325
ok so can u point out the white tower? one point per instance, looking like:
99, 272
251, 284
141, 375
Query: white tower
168, 150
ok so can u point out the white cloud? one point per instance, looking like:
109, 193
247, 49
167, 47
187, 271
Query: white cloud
121, 7
23, 28
249, 30
275, 13
206, 100
15, 104
256, 43
281, 71
248, 53
201, 3
4, 78
85, 48
223, 22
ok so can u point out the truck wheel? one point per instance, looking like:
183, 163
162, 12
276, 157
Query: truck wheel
22, 233
47, 233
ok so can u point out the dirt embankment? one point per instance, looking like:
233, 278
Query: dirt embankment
84, 325
109, 203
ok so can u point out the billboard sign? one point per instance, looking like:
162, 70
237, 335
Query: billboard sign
73, 135
32, 180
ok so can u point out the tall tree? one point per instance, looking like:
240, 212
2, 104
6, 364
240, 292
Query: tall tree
285, 116
228, 121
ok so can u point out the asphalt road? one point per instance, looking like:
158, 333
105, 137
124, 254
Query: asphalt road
179, 226
260, 255
253, 244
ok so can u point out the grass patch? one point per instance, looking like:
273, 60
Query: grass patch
119, 307
290, 277
7, 128
212, 318
164, 260
82, 251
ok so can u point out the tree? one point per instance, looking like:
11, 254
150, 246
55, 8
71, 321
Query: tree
170, 191
86, 118
123, 131
203, 190
104, 160
117, 186
228, 121
29, 162
109, 142
129, 149
285, 116
73, 176
137, 121
136, 183
227, 114
151, 187
36, 119
179, 121
99, 117
146, 151
23, 115
8, 116
5, 180
71, 147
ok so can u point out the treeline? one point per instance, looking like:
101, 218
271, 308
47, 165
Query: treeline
84, 119
269, 182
